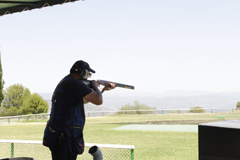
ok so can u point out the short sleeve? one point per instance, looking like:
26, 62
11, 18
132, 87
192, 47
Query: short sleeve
74, 91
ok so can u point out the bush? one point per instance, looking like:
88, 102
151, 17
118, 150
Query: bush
196, 109
138, 108
34, 105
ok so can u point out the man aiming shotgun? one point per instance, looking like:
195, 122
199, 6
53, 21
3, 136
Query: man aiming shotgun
64, 130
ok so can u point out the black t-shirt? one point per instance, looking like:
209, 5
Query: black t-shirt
74, 91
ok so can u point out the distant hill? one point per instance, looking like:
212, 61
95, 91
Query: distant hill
113, 100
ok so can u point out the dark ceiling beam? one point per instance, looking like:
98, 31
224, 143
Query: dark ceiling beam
19, 7
19, 2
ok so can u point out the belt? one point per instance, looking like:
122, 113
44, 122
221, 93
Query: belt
65, 125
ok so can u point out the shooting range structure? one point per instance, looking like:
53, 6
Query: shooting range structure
219, 140
13, 6
18, 158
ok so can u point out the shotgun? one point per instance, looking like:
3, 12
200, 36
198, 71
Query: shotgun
107, 83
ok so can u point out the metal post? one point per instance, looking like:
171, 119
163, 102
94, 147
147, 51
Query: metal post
35, 117
132, 154
43, 117
19, 119
9, 120
12, 149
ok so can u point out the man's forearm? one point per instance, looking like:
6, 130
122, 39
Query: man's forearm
95, 90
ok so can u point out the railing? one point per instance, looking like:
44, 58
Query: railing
35, 149
45, 116
156, 111
21, 118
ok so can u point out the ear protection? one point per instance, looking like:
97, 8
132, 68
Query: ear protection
84, 74
83, 71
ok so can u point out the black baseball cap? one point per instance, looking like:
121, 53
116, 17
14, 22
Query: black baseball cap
79, 65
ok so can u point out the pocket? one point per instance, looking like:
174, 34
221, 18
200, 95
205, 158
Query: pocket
50, 136
77, 145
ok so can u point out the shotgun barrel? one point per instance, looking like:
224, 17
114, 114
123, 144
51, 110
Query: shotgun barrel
107, 83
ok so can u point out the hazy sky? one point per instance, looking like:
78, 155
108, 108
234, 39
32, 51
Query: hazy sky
155, 45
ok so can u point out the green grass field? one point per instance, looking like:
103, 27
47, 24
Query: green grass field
149, 145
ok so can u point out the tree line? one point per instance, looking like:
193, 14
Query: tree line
140, 108
18, 100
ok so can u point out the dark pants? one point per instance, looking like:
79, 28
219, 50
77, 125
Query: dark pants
61, 150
